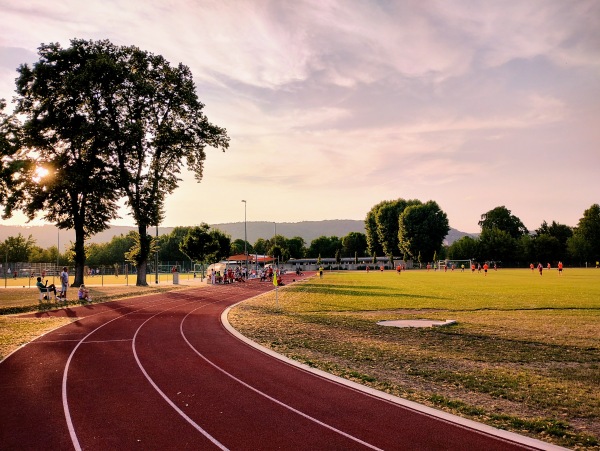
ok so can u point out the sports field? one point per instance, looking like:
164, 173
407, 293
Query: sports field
523, 356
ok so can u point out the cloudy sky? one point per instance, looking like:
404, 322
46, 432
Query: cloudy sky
334, 106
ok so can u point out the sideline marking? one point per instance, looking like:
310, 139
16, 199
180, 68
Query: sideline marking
68, 419
276, 401
161, 393
480, 428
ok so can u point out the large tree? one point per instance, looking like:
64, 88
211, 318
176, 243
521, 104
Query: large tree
585, 242
497, 245
324, 246
422, 229
17, 248
261, 246
501, 218
223, 249
157, 126
354, 244
387, 224
550, 242
198, 244
169, 245
13, 160
69, 182
130, 113
296, 247
239, 246
464, 248
373, 243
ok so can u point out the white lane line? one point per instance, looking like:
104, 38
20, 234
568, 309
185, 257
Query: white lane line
460, 422
276, 401
65, 401
164, 396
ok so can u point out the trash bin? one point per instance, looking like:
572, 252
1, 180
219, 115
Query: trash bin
175, 278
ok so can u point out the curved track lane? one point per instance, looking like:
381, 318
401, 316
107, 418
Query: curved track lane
163, 372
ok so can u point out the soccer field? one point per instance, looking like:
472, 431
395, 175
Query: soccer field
507, 289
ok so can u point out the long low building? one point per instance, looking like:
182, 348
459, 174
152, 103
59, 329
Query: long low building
348, 263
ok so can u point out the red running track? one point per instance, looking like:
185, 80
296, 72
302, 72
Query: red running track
163, 372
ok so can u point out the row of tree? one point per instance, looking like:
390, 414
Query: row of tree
410, 228
96, 123
200, 244
503, 239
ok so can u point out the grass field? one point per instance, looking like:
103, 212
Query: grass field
98, 280
523, 356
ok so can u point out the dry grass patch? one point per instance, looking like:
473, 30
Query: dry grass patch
15, 332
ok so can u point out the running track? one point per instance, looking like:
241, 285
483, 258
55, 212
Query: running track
162, 372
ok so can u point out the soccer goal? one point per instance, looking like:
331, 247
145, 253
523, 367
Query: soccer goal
168, 268
454, 264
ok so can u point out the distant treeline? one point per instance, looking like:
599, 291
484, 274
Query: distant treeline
503, 239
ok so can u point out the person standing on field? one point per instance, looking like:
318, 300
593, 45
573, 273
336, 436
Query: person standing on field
64, 281
560, 267
540, 268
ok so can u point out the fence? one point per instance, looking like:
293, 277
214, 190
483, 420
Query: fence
25, 273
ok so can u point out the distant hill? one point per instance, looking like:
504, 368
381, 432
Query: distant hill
48, 235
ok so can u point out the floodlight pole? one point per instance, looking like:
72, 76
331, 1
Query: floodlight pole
156, 258
245, 239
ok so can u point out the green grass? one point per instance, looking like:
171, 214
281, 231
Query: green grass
524, 355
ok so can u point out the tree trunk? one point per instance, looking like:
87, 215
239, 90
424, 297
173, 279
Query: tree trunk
142, 263
79, 254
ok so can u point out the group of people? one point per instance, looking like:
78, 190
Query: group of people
83, 293
64, 284
237, 274
229, 275
540, 268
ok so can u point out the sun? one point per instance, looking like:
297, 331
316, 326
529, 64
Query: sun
40, 173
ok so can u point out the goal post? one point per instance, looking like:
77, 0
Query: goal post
454, 264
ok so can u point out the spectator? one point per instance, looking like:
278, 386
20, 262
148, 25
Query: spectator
84, 294
44, 288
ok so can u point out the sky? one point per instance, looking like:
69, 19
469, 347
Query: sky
334, 106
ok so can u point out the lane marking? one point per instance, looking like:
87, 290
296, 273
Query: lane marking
460, 422
163, 395
65, 401
276, 401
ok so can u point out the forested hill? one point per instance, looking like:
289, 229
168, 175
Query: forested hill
48, 235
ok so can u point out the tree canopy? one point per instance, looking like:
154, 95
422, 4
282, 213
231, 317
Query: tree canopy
354, 245
502, 219
121, 116
60, 134
386, 218
585, 242
422, 229
198, 244
13, 161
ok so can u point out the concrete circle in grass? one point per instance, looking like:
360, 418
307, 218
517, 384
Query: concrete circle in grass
417, 323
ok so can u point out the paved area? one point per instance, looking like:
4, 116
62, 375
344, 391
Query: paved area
416, 323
